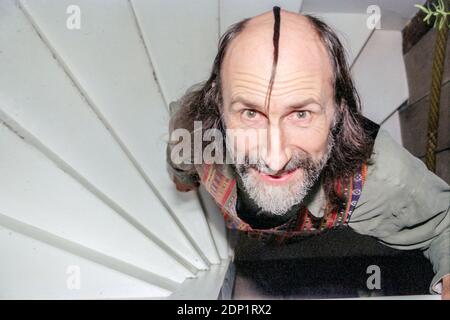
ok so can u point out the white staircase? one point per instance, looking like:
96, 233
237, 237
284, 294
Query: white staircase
87, 209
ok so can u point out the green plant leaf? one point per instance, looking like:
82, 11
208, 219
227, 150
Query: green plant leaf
441, 5
435, 6
421, 8
439, 13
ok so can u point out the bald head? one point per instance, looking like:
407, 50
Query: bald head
301, 50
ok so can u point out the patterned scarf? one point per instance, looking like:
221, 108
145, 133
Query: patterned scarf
220, 182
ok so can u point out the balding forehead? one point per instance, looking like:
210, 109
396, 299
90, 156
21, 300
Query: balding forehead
293, 19
299, 46
290, 22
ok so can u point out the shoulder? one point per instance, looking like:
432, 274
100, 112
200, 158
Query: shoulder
395, 167
385, 180
402, 202
391, 162
396, 180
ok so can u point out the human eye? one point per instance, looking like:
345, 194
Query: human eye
300, 118
302, 115
249, 114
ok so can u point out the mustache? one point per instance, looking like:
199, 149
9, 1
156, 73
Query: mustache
299, 160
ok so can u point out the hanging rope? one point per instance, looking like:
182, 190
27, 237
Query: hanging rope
436, 80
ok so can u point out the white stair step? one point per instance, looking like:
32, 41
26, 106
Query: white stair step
380, 75
206, 286
36, 192
216, 223
126, 96
43, 103
32, 269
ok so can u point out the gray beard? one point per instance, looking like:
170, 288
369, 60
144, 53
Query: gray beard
278, 199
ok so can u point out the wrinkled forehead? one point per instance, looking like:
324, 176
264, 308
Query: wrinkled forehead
301, 51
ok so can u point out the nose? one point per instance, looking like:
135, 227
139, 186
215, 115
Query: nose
276, 156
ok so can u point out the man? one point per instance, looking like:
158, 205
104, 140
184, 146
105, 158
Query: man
315, 163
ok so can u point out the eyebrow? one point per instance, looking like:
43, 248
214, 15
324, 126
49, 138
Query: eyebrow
297, 105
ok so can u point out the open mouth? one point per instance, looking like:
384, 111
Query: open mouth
279, 177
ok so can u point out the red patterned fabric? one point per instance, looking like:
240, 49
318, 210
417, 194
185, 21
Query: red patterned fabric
221, 184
